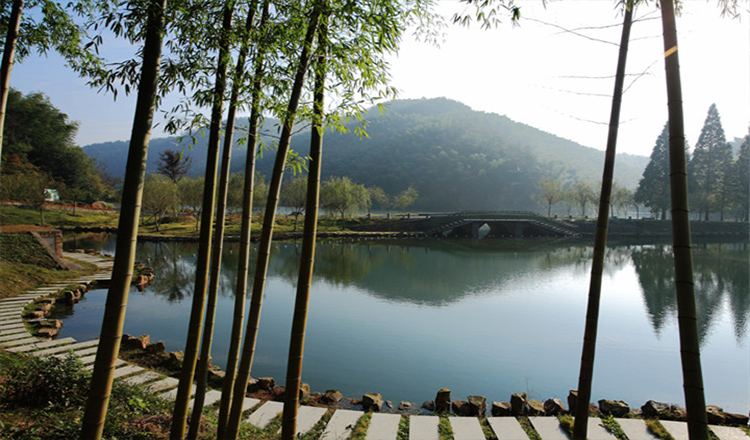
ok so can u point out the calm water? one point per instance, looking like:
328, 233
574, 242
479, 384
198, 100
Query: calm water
484, 317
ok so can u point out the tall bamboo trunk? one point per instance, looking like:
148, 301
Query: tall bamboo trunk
600, 241
9, 51
213, 288
264, 247
247, 213
195, 326
307, 259
695, 401
127, 229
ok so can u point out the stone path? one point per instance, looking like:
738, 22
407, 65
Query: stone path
14, 337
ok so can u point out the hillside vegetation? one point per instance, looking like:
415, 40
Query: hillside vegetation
456, 158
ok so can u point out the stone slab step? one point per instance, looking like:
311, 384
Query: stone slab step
164, 384
383, 427
679, 430
596, 431
144, 377
79, 348
548, 428
127, 369
423, 427
262, 416
341, 425
636, 429
44, 345
507, 428
466, 428
10, 313
249, 403
19, 343
172, 394
211, 397
12, 326
86, 360
728, 432
90, 366
11, 336
307, 417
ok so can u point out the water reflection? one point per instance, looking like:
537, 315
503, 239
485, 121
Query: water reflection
721, 272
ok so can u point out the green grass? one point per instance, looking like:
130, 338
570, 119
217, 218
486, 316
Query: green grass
359, 432
317, 430
445, 431
658, 429
403, 428
489, 434
613, 427
566, 423
528, 428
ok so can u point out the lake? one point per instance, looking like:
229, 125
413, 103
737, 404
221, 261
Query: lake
488, 317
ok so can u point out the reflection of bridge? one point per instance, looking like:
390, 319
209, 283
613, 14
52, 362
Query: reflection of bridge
496, 224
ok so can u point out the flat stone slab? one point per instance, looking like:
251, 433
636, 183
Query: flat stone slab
548, 428
728, 432
596, 431
42, 345
341, 425
423, 427
507, 428
78, 348
383, 427
11, 336
13, 326
307, 417
19, 343
679, 430
211, 397
90, 367
636, 429
142, 378
172, 394
127, 369
248, 403
85, 360
262, 416
466, 428
166, 383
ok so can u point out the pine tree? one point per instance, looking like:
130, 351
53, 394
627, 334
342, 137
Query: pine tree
741, 189
708, 167
653, 189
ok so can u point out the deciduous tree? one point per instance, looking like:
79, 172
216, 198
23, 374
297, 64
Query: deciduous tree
174, 164
550, 192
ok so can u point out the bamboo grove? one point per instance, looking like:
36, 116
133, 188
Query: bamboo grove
286, 59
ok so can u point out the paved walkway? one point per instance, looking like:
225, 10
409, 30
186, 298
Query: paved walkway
14, 337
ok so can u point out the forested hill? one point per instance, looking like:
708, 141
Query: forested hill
455, 157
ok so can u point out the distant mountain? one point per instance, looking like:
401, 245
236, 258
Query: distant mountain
455, 157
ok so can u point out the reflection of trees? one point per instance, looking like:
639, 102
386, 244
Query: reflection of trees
720, 271
174, 267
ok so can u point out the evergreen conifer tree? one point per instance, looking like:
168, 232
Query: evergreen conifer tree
741, 189
653, 189
708, 167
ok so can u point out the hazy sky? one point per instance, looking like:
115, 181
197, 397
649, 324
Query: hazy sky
536, 73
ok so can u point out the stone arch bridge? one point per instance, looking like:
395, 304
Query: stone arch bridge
495, 224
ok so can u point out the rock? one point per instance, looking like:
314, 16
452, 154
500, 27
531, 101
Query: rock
429, 405
653, 408
51, 323
45, 300
461, 408
304, 390
715, 415
34, 315
443, 400
478, 405
572, 399
553, 407
47, 333
389, 404
518, 404
501, 409
175, 360
594, 410
277, 393
135, 343
331, 397
372, 402
266, 383
616, 408
736, 419
405, 406
157, 347
677, 412
535, 408
215, 377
